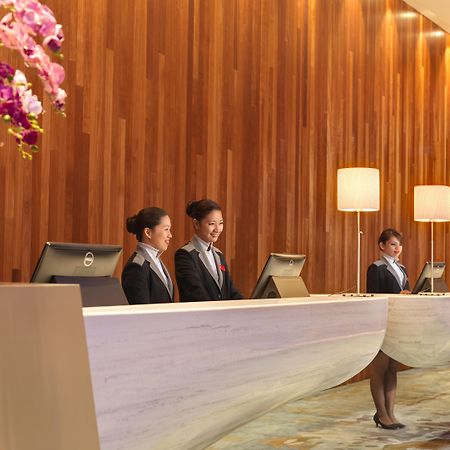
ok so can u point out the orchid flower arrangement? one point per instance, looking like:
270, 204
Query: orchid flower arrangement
19, 107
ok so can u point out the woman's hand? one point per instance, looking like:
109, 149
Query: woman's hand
405, 292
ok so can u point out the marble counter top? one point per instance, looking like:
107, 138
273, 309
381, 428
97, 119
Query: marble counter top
183, 375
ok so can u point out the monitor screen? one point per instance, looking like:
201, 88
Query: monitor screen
278, 265
422, 283
75, 260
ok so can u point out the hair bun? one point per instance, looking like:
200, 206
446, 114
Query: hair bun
131, 224
190, 207
199, 209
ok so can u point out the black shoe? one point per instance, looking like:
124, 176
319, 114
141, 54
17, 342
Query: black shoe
399, 425
378, 422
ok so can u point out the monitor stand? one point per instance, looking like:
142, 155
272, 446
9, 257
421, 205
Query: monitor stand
439, 286
96, 291
285, 287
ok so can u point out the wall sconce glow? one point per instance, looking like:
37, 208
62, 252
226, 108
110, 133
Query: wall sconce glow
408, 15
436, 33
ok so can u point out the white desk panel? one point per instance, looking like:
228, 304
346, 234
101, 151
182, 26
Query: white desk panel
418, 332
183, 375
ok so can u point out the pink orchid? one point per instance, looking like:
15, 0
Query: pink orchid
24, 20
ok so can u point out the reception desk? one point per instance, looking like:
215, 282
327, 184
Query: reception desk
418, 331
183, 375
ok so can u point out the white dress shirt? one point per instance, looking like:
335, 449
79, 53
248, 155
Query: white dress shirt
393, 262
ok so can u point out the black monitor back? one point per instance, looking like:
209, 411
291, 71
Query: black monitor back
96, 291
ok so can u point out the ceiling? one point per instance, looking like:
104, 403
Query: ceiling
438, 11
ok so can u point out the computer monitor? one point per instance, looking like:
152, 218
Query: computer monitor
423, 283
279, 265
89, 265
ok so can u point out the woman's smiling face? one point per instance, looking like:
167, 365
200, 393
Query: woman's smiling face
393, 247
209, 228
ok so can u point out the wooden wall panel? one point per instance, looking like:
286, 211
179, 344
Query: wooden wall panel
255, 103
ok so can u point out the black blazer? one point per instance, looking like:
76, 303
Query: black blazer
142, 282
194, 279
382, 279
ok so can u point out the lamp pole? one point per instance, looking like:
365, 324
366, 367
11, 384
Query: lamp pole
432, 258
358, 269
358, 190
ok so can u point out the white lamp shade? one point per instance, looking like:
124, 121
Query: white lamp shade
358, 189
432, 203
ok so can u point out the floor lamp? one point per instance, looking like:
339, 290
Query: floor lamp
432, 204
358, 191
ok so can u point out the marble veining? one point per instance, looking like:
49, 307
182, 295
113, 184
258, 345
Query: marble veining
184, 375
418, 331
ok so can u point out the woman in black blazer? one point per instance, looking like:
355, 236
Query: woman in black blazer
201, 270
386, 276
145, 279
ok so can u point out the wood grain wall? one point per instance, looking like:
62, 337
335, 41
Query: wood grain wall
254, 103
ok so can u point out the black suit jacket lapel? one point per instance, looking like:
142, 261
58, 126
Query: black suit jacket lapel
392, 271
205, 261
405, 279
218, 267
167, 282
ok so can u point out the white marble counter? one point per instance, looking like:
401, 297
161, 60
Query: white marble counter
418, 332
180, 376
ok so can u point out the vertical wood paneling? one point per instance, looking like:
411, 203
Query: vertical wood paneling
255, 103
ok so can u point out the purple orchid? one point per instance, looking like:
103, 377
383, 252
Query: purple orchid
25, 20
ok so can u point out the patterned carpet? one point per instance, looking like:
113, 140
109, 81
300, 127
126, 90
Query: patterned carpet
341, 419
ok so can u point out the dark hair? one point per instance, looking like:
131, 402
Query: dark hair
199, 209
145, 218
388, 233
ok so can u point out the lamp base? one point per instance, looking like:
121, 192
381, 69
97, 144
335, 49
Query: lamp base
432, 293
439, 286
358, 295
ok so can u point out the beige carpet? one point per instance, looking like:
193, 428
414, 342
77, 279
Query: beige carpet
341, 419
